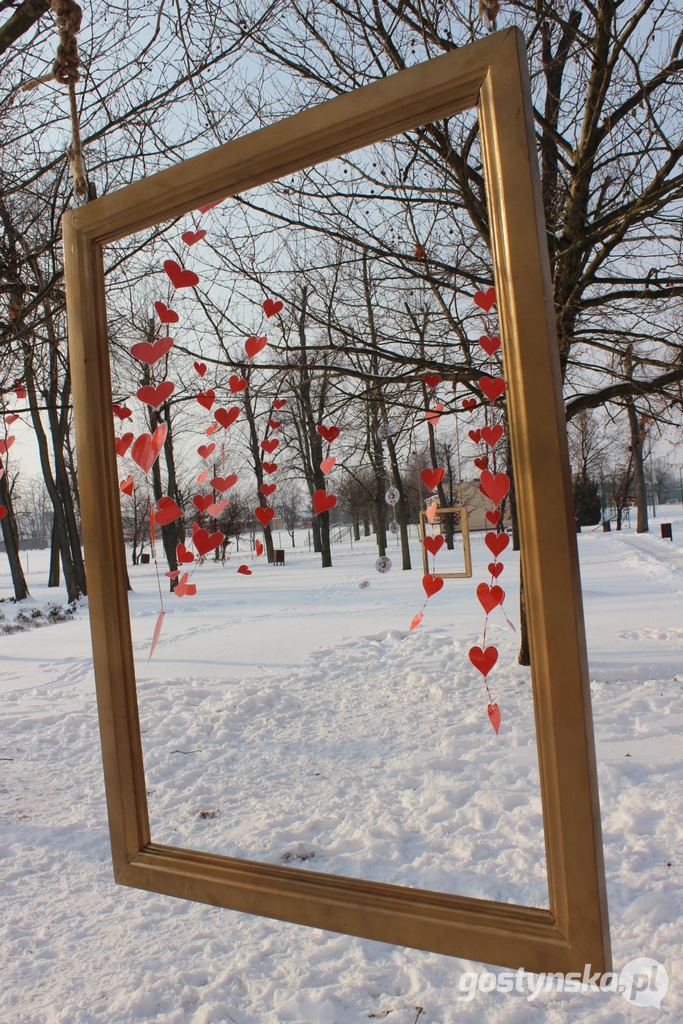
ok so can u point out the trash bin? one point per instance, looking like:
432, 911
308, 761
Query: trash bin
278, 556
606, 526
666, 531
144, 559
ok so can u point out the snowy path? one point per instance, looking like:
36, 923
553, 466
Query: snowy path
345, 746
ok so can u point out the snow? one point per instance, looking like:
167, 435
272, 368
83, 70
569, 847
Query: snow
291, 717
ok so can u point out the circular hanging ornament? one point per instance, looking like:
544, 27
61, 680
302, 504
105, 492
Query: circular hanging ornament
393, 527
383, 564
392, 496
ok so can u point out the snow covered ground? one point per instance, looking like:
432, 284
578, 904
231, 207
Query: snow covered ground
290, 717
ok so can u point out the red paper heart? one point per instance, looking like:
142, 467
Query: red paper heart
269, 467
224, 483
202, 476
254, 345
434, 415
151, 352
20, 391
328, 464
489, 345
226, 417
156, 396
492, 435
121, 411
432, 477
200, 368
6, 443
269, 445
322, 501
173, 574
483, 660
432, 584
485, 300
492, 387
192, 237
432, 380
126, 485
210, 206
10, 419
494, 516
274, 424
183, 556
279, 403
495, 568
3, 511
490, 597
205, 541
433, 544
474, 435
494, 485
271, 307
202, 501
468, 403
236, 384
415, 621
264, 515
496, 542
494, 717
167, 511
145, 450
212, 429
216, 507
183, 588
122, 444
205, 450
329, 434
206, 398
166, 315
267, 489
258, 548
244, 570
482, 462
178, 277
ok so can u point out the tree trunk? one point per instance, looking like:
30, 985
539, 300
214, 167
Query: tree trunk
53, 575
402, 505
524, 656
636, 433
10, 536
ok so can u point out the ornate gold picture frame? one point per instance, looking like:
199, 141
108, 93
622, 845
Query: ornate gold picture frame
491, 75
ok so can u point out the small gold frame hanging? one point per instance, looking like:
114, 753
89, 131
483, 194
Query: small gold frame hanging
439, 516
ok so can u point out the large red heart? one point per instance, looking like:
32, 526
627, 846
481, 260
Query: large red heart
468, 403
481, 462
151, 352
492, 435
490, 597
166, 315
122, 444
145, 450
205, 450
433, 544
494, 716
167, 511
483, 660
474, 435
253, 346
244, 570
183, 555
494, 516
492, 387
126, 485
121, 411
489, 345
495, 568
279, 403
496, 542
432, 584
20, 391
183, 588
271, 307
264, 515
274, 424
156, 396
236, 384
202, 501
328, 464
494, 485
200, 368
485, 300
224, 483
267, 489
258, 547
206, 398
329, 434
192, 237
205, 541
180, 278
432, 380
269, 467
269, 445
432, 477
322, 501
226, 417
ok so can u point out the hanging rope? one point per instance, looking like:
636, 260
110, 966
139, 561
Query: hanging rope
67, 71
488, 12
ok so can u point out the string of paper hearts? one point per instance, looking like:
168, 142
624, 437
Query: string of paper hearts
324, 500
7, 441
268, 445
